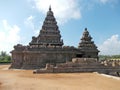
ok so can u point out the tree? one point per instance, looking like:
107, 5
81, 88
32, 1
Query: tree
4, 57
3, 54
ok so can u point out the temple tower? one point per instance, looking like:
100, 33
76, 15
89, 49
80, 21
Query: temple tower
87, 45
49, 34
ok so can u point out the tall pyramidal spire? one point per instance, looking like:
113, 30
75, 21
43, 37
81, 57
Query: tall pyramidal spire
49, 34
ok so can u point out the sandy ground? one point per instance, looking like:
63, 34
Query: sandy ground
26, 80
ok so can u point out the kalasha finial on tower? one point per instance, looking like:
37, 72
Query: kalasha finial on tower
85, 29
50, 8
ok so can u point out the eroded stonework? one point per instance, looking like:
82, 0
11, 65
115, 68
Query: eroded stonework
48, 47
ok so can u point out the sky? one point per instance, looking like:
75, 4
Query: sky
22, 19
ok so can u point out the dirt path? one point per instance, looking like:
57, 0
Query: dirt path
26, 80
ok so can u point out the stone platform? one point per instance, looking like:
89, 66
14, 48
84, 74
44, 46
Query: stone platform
80, 65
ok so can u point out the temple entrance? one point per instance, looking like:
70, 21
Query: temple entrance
79, 55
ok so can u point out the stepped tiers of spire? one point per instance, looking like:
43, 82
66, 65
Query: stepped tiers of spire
49, 34
88, 46
48, 47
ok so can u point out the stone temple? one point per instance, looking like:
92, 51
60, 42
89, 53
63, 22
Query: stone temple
48, 47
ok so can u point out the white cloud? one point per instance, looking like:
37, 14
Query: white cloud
29, 22
104, 1
9, 36
64, 10
108, 1
111, 46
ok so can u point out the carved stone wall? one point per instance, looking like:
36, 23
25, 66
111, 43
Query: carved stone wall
38, 59
17, 60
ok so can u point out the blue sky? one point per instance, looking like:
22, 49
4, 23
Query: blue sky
22, 19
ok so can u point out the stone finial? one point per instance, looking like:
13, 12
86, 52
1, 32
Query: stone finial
85, 29
50, 8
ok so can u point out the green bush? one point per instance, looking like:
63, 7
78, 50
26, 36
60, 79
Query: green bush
113, 57
4, 57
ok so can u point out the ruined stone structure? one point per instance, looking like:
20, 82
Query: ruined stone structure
83, 65
48, 47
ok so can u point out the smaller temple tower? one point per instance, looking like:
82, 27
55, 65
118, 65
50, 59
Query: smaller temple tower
87, 46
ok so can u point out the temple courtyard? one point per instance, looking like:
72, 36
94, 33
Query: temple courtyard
26, 80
